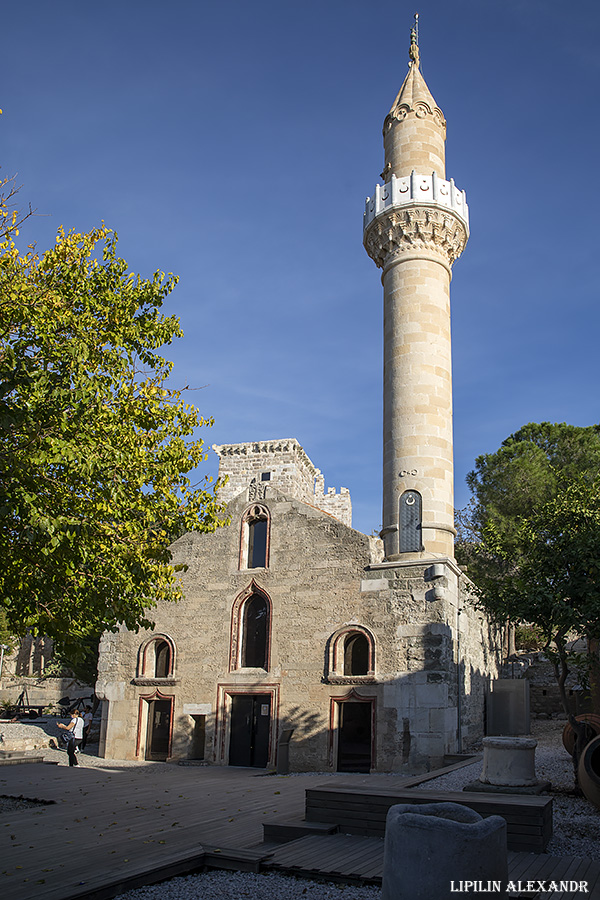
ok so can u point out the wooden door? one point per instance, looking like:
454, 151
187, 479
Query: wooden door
250, 729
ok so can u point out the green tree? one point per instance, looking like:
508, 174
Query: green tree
96, 450
555, 582
531, 538
531, 467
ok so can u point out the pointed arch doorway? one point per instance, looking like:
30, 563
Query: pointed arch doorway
352, 731
155, 727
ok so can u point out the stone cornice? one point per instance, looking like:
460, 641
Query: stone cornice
429, 229
420, 110
426, 561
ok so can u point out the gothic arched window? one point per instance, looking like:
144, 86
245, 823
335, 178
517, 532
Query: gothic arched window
254, 544
410, 537
255, 632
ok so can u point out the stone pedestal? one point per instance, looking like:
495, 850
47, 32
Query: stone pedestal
509, 761
429, 853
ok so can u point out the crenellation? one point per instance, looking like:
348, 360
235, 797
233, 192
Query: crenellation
289, 470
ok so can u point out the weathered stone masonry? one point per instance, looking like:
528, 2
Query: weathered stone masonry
323, 579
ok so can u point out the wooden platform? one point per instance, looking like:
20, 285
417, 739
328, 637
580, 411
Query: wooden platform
363, 811
104, 830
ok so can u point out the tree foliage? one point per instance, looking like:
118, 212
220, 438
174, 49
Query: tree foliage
96, 450
531, 539
530, 468
555, 583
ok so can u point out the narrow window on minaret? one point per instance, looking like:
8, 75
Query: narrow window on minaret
410, 522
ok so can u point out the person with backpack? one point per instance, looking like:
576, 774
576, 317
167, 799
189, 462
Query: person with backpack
75, 727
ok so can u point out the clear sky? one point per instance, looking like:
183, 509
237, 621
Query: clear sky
234, 144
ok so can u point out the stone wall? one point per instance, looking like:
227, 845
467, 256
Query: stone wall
323, 578
284, 462
30, 658
42, 691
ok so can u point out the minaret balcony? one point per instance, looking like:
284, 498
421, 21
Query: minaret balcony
417, 190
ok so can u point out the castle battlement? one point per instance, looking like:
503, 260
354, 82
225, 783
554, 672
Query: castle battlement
284, 464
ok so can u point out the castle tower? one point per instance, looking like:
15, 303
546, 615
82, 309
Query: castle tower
415, 226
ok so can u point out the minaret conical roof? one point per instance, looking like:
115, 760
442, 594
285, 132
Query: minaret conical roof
414, 92
414, 130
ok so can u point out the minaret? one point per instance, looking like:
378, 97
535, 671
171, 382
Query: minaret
415, 226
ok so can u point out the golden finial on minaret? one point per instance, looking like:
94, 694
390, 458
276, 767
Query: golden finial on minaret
414, 42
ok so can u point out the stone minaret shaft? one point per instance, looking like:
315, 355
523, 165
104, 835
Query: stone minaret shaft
415, 226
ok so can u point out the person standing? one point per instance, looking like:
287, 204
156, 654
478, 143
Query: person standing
87, 725
75, 727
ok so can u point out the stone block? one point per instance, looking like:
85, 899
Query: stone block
431, 849
509, 761
374, 584
431, 695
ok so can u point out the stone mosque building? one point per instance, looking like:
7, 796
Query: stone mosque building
367, 648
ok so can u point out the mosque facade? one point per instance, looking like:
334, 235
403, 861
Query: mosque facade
367, 651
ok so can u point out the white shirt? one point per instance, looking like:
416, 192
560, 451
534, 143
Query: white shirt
77, 729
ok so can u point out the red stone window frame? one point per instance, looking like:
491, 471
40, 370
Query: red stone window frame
237, 626
256, 512
337, 645
147, 659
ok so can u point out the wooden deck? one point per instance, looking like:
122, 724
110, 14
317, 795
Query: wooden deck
354, 859
108, 829
359, 860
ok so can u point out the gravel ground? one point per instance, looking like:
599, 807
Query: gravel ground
246, 886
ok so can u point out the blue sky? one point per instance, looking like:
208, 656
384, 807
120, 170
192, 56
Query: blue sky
234, 144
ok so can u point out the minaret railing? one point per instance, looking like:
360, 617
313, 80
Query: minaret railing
426, 190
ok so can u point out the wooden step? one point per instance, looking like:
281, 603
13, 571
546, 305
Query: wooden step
284, 830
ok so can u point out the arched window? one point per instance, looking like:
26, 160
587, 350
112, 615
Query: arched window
351, 654
255, 632
356, 654
254, 544
156, 657
251, 630
162, 659
410, 537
